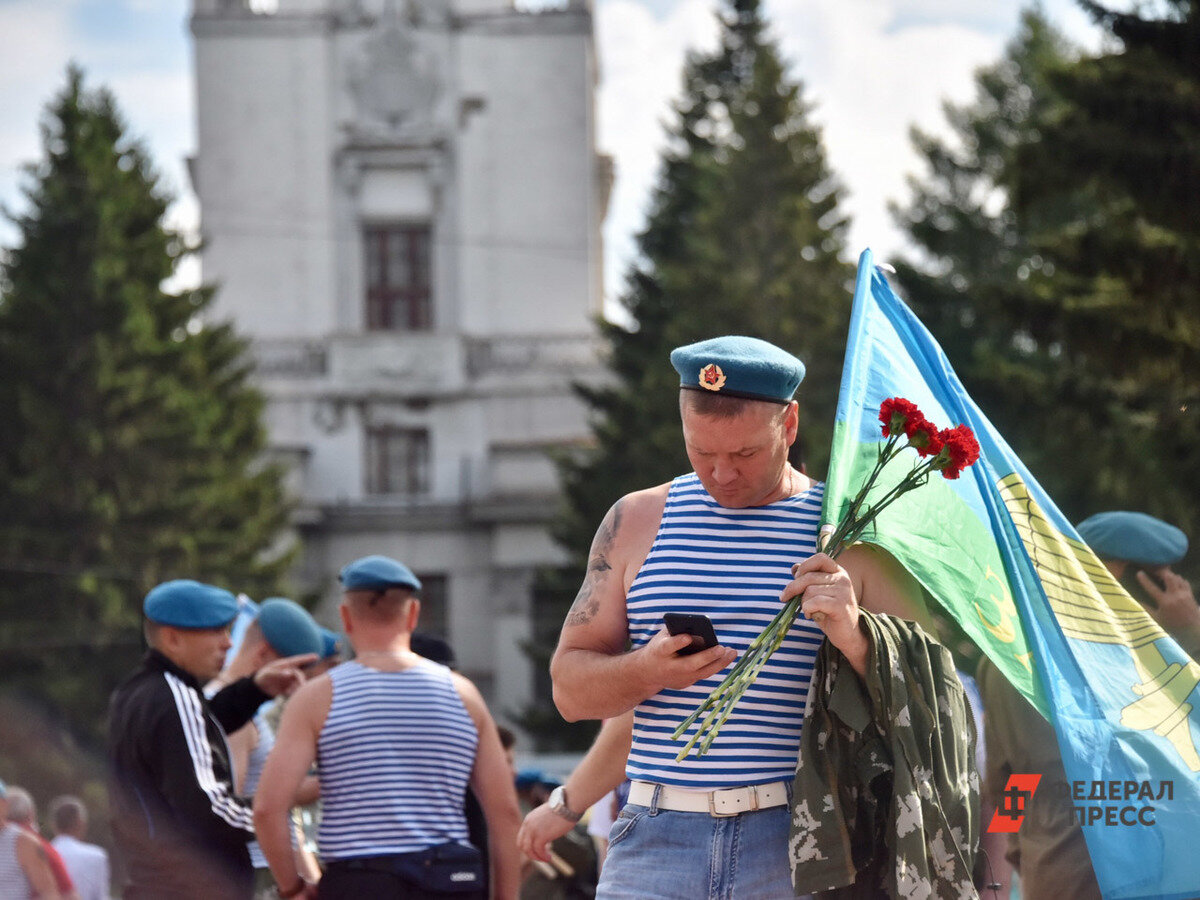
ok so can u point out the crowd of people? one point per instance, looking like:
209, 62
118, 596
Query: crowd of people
215, 750
65, 867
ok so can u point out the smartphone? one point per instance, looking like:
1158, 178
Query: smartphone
694, 624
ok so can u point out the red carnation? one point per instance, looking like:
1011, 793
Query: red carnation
959, 448
896, 414
924, 437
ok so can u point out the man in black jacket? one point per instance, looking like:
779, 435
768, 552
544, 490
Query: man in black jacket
177, 823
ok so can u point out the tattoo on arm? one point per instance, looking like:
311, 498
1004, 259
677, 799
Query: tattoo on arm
585, 607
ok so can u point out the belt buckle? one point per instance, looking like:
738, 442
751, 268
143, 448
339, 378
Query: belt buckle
750, 790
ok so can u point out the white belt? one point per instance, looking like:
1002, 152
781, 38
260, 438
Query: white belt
724, 802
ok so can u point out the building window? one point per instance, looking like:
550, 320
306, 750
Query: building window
398, 271
398, 461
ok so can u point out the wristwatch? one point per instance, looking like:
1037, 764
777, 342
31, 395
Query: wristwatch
558, 805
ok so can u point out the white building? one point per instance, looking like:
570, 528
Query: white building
401, 205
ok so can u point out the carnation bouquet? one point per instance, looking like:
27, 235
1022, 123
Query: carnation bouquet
947, 451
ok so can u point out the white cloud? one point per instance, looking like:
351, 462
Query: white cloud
873, 68
980, 15
641, 60
158, 108
153, 90
870, 76
871, 82
33, 50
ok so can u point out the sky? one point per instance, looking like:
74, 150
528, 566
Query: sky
871, 68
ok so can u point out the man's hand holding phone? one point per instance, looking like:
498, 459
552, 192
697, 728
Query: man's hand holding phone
698, 626
671, 661
1174, 605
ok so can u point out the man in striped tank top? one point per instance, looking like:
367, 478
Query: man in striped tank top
281, 628
730, 540
24, 868
396, 740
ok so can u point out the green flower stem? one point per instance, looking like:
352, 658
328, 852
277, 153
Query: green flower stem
886, 453
726, 695
731, 688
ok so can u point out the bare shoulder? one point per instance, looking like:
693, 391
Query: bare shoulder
311, 702
618, 551
314, 689
29, 848
27, 840
473, 700
465, 686
883, 585
647, 502
635, 519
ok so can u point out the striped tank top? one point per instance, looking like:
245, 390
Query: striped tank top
13, 883
730, 565
394, 758
254, 766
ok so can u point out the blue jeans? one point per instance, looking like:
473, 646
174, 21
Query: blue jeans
661, 854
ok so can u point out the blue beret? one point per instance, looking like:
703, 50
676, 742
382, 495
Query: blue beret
738, 367
288, 628
378, 573
190, 604
1134, 537
527, 778
331, 644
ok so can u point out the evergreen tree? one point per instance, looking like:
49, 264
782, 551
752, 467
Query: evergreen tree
1059, 276
972, 283
744, 236
134, 448
1126, 295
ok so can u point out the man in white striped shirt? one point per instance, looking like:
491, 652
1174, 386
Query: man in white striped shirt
729, 540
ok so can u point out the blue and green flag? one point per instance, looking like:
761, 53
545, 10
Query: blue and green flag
996, 553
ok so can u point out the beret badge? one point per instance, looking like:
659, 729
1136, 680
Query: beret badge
712, 378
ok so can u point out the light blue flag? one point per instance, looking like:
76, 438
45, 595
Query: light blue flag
996, 553
247, 613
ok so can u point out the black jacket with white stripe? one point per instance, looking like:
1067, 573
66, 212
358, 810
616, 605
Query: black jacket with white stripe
179, 829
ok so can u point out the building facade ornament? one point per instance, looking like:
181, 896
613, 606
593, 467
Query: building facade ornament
394, 81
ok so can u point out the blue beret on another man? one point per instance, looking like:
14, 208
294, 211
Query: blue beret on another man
289, 628
378, 573
184, 603
331, 644
527, 778
1134, 537
736, 366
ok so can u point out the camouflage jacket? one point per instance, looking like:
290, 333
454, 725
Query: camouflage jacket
885, 801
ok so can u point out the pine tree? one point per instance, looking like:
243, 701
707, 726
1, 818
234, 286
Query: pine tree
1127, 289
134, 450
744, 236
972, 283
1060, 276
